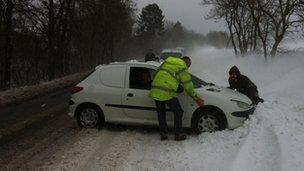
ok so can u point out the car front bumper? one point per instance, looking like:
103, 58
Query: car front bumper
243, 114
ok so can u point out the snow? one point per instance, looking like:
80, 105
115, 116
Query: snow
21, 94
272, 139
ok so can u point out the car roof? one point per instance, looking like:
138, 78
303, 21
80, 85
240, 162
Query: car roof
130, 63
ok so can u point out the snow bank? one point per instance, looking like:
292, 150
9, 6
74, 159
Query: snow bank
273, 136
272, 139
17, 95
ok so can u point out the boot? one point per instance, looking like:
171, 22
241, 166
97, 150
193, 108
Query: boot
163, 137
180, 137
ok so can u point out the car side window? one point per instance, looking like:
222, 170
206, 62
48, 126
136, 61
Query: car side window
141, 78
113, 76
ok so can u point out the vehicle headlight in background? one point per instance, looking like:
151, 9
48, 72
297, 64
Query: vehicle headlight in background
241, 104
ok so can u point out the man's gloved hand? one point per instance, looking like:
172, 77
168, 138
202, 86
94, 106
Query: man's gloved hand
200, 102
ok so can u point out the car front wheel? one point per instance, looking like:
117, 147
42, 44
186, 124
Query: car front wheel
89, 116
207, 121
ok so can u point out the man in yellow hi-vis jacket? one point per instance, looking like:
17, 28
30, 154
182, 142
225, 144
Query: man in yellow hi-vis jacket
171, 75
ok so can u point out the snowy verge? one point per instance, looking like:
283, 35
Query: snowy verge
17, 95
11, 130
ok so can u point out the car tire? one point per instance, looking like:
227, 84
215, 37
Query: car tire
90, 116
207, 121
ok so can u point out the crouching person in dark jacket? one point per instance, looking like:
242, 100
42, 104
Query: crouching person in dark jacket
244, 85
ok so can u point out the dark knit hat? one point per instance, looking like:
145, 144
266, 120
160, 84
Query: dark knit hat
235, 70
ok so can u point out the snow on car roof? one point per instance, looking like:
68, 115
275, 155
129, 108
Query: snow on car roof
172, 50
130, 62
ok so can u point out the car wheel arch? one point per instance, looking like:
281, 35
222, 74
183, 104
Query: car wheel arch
208, 108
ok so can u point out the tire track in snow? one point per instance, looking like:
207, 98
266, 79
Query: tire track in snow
214, 151
111, 156
149, 153
260, 151
287, 120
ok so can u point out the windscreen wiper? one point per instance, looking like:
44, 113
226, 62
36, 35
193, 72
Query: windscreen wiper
210, 84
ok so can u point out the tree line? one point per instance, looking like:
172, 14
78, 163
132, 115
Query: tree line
45, 39
152, 32
257, 24
42, 40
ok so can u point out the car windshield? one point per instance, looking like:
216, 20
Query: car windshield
197, 82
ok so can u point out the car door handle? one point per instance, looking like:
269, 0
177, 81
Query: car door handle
130, 94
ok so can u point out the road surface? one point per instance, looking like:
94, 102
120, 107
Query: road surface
56, 143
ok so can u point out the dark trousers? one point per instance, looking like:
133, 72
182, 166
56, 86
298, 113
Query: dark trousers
174, 106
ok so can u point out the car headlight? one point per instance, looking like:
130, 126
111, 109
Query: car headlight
241, 104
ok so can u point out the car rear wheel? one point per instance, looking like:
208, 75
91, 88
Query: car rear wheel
90, 116
207, 121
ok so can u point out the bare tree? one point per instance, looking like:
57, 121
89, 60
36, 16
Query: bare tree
281, 14
253, 22
7, 7
53, 38
52, 19
104, 29
223, 10
261, 23
300, 14
238, 20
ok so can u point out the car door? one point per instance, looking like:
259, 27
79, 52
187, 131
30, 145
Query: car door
108, 93
135, 98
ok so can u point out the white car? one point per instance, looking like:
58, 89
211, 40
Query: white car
119, 93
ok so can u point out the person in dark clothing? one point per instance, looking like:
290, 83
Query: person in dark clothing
175, 106
150, 56
244, 85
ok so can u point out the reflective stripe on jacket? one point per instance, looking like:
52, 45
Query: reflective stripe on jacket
168, 77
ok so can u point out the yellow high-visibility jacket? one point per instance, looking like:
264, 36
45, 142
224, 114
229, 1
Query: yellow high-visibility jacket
170, 74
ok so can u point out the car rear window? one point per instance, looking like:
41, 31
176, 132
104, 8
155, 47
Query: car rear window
113, 76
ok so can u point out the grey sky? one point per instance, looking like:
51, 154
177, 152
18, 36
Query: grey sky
189, 12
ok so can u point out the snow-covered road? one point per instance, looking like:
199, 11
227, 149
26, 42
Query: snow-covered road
272, 139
